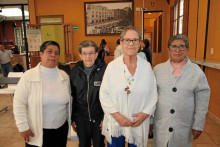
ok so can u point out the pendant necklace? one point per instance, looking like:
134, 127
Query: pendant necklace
129, 82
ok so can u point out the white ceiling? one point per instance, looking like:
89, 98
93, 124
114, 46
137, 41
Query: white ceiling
8, 2
2, 2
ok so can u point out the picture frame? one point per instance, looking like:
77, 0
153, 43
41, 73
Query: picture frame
108, 17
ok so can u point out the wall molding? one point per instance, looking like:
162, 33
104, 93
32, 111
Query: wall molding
214, 118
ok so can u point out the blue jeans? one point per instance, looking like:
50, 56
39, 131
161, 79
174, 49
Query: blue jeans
6, 68
119, 142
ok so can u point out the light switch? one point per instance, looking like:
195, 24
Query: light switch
212, 51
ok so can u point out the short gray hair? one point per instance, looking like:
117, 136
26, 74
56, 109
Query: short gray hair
87, 43
124, 31
179, 37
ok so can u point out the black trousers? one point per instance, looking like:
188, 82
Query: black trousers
54, 137
87, 131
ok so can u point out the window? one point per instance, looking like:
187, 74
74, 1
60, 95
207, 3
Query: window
179, 17
50, 19
180, 26
18, 36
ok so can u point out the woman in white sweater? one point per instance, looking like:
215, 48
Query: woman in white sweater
128, 95
42, 101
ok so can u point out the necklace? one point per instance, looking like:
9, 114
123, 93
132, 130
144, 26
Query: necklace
129, 82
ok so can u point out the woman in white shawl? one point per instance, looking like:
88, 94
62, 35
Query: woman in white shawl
128, 94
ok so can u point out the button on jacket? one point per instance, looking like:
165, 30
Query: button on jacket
85, 91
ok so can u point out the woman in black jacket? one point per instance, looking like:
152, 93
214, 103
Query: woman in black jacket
85, 79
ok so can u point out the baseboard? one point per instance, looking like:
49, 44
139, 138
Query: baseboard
214, 118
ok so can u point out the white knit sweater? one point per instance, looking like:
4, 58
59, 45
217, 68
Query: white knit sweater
27, 104
114, 98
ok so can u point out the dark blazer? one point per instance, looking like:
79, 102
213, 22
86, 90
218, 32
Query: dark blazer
85, 91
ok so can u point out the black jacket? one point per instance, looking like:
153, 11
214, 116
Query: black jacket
101, 55
148, 54
83, 107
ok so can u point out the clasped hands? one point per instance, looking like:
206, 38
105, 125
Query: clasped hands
125, 122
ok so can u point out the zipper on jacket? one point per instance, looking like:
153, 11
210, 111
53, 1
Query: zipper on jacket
88, 97
88, 90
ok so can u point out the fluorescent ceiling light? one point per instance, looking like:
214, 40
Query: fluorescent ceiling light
13, 12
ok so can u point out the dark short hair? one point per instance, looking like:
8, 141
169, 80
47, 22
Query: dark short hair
179, 37
146, 42
87, 43
124, 31
118, 41
47, 43
103, 41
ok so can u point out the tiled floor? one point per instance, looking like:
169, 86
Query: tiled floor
9, 135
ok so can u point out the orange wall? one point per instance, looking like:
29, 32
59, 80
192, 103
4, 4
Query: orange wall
192, 25
197, 28
197, 34
73, 12
213, 76
202, 16
214, 31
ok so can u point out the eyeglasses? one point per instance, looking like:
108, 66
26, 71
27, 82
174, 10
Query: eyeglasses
180, 47
50, 52
134, 41
90, 54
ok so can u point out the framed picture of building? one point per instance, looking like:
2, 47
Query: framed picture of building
108, 17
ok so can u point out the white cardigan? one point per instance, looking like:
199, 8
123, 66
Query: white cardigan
113, 97
27, 104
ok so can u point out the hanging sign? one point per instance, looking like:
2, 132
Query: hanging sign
34, 39
75, 28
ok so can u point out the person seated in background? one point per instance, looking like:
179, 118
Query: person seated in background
101, 53
86, 78
42, 101
15, 49
141, 54
18, 68
104, 43
145, 48
6, 58
118, 51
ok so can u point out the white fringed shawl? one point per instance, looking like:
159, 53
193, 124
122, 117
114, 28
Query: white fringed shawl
114, 98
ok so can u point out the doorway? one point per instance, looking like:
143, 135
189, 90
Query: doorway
54, 32
152, 30
53, 28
